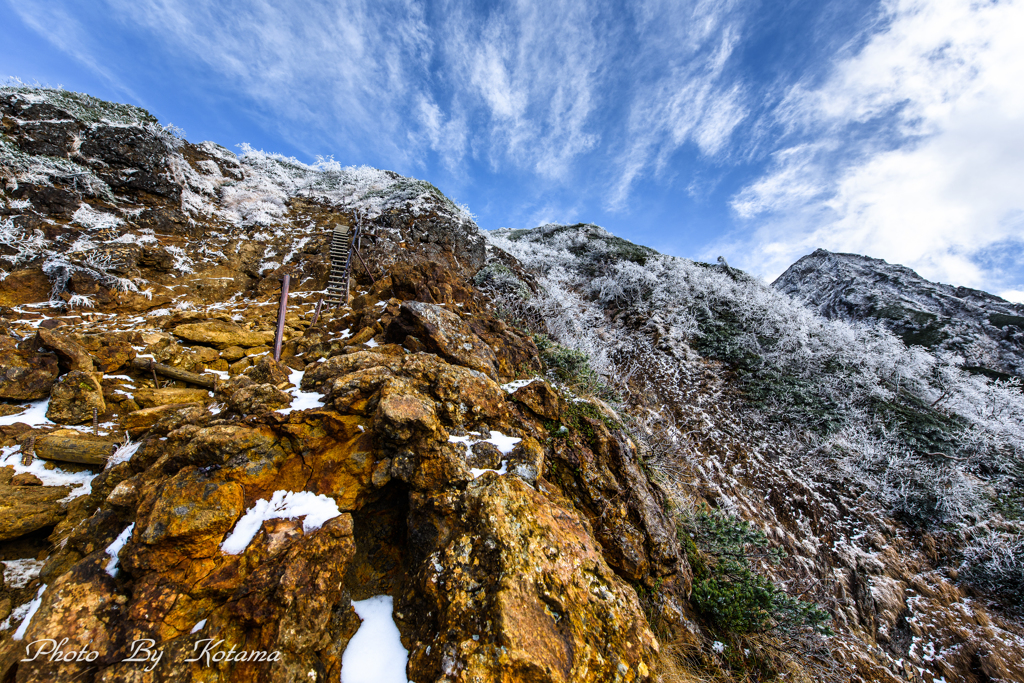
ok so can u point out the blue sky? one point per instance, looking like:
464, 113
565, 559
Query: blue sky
755, 130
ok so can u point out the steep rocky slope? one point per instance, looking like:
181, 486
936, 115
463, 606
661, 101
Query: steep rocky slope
561, 456
890, 476
987, 331
382, 456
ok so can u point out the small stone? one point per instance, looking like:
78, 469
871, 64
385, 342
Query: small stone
232, 353
239, 367
26, 479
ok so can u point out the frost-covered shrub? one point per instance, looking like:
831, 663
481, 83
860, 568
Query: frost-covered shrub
90, 218
995, 562
569, 366
726, 590
944, 427
271, 179
26, 246
499, 278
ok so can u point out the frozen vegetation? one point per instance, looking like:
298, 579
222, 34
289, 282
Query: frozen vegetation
934, 444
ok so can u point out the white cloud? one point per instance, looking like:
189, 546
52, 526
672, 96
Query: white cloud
66, 34
531, 86
688, 97
912, 150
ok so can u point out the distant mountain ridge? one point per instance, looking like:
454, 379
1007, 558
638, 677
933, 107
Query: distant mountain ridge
986, 330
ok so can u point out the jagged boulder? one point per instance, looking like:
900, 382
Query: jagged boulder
72, 356
25, 375
519, 592
540, 397
255, 398
268, 371
110, 351
444, 333
74, 398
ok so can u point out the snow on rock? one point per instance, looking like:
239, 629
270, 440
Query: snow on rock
20, 573
115, 547
29, 612
35, 416
81, 481
476, 472
375, 654
301, 400
512, 387
502, 442
315, 509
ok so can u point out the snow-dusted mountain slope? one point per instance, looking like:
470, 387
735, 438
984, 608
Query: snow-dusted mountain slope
889, 473
108, 204
985, 330
689, 475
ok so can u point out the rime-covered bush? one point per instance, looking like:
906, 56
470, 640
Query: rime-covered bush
995, 562
498, 278
941, 428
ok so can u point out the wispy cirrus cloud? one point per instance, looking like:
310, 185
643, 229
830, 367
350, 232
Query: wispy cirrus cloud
687, 96
885, 127
911, 150
532, 86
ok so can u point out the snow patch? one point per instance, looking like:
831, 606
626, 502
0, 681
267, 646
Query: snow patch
502, 442
30, 611
35, 416
301, 400
115, 548
81, 481
316, 509
513, 387
375, 654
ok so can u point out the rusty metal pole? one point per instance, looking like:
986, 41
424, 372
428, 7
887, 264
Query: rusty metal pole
360, 257
280, 317
316, 313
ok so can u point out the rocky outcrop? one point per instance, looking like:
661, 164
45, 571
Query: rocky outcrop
25, 375
442, 332
494, 573
986, 330
74, 398
440, 478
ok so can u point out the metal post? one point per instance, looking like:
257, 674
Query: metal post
353, 234
152, 368
95, 422
360, 257
316, 313
280, 317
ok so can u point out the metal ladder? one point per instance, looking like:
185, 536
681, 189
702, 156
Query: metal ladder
341, 266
